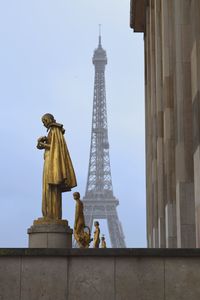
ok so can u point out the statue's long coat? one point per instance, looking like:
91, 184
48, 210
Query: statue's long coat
60, 168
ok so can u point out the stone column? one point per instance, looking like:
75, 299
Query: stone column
195, 76
184, 130
160, 136
169, 130
148, 132
154, 124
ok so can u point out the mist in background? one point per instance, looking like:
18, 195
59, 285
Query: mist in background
46, 66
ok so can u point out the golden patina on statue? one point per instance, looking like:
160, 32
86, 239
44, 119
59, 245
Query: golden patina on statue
82, 232
58, 172
96, 239
103, 242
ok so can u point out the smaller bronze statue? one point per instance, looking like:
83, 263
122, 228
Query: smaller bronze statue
82, 232
103, 242
96, 235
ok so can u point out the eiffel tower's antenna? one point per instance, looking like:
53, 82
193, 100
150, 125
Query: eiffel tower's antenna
99, 35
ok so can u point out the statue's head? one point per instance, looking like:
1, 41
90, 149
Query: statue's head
76, 195
96, 224
48, 119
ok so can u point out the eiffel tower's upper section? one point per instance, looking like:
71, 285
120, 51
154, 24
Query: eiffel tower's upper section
99, 57
99, 181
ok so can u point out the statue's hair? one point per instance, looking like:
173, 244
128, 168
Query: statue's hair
77, 193
96, 223
48, 117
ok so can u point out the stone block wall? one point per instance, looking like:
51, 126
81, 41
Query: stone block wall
99, 274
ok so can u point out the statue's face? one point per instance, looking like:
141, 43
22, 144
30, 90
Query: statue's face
76, 196
46, 122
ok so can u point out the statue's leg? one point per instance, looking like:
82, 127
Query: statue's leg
56, 199
59, 205
45, 189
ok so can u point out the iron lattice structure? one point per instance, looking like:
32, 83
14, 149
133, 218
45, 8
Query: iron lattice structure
99, 201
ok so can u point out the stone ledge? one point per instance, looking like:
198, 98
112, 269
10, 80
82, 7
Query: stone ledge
137, 15
49, 228
128, 252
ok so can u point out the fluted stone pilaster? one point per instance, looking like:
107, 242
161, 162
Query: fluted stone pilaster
195, 75
184, 130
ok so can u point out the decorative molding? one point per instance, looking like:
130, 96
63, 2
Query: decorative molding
137, 15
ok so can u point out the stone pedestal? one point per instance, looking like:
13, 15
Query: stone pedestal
50, 234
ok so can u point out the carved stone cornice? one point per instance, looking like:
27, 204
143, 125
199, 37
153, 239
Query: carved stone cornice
137, 15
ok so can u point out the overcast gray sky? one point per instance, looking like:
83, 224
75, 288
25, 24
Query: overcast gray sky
46, 66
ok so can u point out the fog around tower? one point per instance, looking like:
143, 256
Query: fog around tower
46, 66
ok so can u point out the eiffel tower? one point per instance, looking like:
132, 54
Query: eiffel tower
99, 201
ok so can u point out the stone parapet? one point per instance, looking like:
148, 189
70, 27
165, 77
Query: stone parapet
108, 252
100, 274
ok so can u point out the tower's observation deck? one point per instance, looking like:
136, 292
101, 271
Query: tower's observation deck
100, 57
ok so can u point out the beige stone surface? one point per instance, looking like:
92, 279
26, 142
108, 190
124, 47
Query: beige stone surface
197, 175
91, 278
139, 279
172, 86
182, 278
186, 216
114, 274
171, 241
50, 236
50, 240
44, 278
197, 226
10, 269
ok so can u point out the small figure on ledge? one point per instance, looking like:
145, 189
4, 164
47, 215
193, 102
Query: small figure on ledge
103, 242
96, 235
58, 172
81, 232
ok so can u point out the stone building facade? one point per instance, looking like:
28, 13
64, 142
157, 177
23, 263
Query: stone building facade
172, 106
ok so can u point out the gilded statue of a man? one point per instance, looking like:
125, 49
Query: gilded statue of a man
58, 172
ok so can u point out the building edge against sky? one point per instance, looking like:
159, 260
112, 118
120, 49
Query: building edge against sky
172, 113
